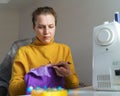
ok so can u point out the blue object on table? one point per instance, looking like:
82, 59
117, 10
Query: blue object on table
29, 89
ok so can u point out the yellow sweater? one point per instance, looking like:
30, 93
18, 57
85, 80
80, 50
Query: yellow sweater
36, 55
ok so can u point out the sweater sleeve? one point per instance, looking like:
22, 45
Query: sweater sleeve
17, 84
72, 81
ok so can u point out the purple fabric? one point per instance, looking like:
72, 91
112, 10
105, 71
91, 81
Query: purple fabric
43, 76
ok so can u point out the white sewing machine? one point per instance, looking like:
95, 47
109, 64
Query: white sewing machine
106, 56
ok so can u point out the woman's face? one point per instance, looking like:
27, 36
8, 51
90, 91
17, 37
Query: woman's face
45, 28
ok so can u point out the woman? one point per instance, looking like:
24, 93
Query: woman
44, 50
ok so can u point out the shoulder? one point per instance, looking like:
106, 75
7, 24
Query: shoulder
63, 45
23, 50
25, 47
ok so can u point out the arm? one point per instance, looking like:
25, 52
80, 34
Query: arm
67, 70
72, 80
19, 69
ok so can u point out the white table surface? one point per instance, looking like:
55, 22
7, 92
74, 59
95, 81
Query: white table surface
88, 91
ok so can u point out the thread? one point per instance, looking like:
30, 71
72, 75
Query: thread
117, 17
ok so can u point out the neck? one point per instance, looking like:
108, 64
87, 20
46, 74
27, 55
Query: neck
38, 42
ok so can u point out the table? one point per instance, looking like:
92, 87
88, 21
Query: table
89, 91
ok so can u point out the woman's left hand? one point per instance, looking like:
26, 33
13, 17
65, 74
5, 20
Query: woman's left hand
62, 69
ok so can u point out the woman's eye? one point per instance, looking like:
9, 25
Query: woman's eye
45, 27
40, 27
51, 26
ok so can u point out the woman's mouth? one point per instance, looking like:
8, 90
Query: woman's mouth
46, 37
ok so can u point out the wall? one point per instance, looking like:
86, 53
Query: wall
25, 26
9, 26
76, 19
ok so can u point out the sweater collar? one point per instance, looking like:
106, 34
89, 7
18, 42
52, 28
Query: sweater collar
38, 42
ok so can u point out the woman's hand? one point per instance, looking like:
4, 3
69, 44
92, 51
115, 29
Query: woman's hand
62, 69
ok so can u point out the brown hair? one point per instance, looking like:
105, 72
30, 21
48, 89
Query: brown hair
43, 10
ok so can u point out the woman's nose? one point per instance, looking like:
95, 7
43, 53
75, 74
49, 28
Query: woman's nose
46, 30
